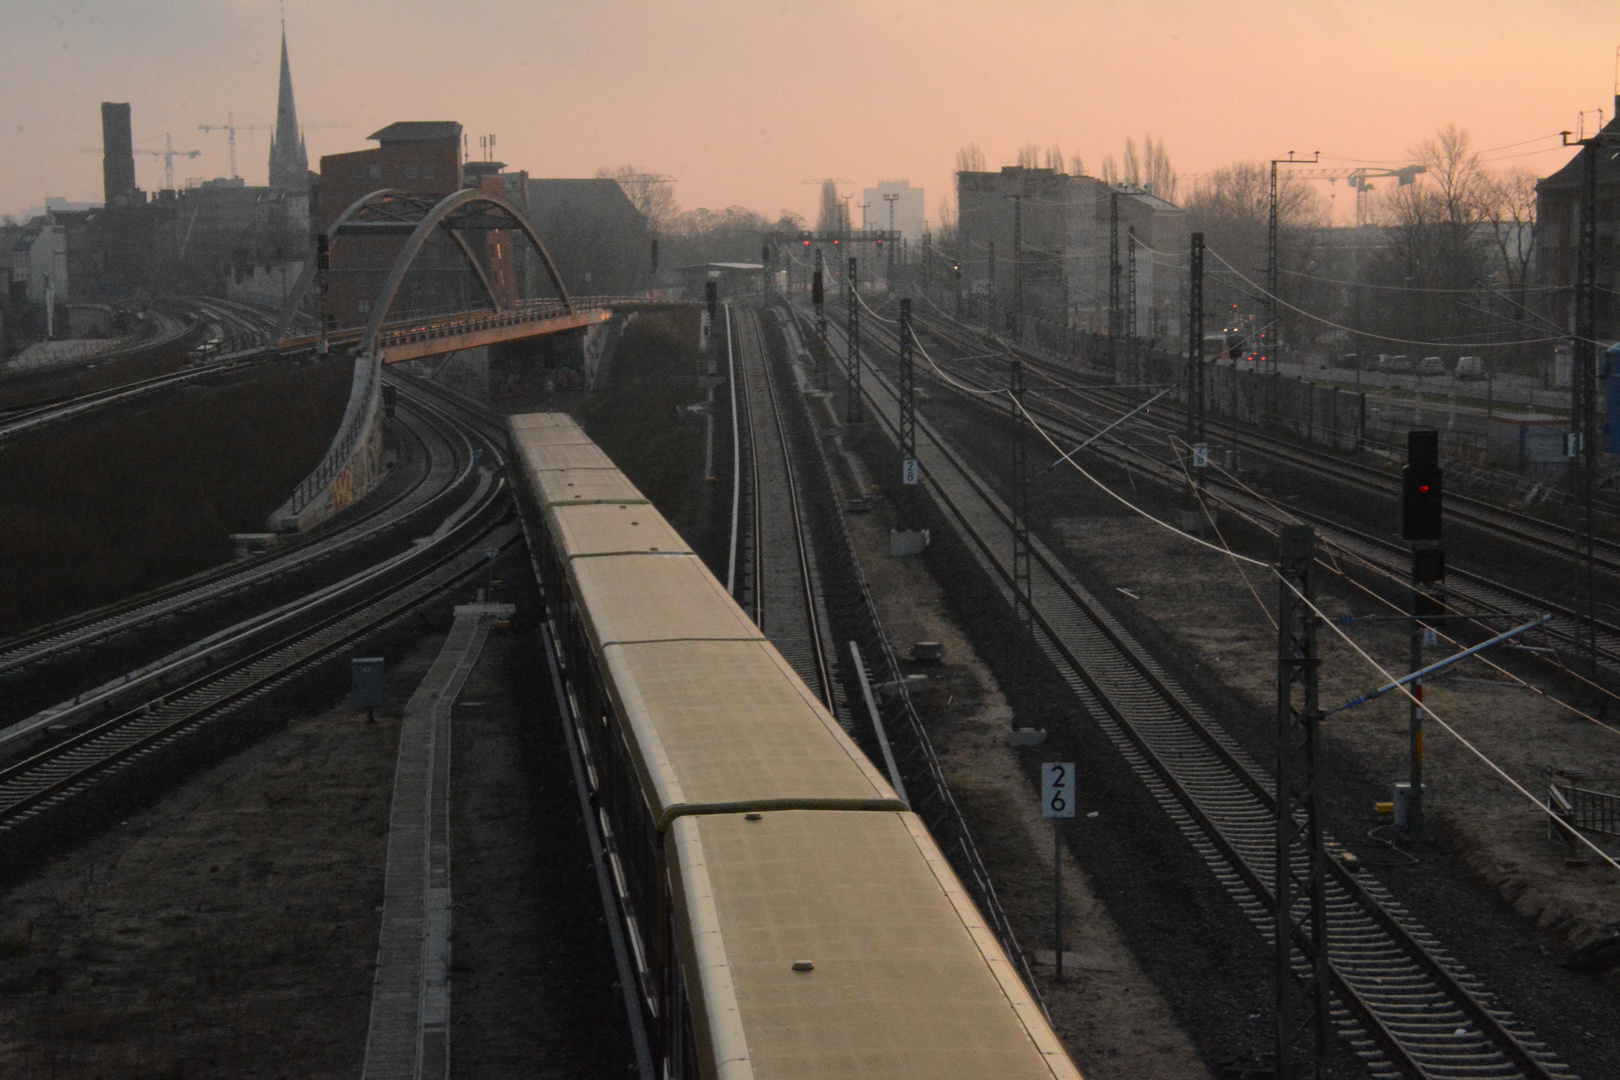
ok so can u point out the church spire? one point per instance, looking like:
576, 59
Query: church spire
289, 164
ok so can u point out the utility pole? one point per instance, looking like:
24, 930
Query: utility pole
1115, 317
891, 199
1195, 363
1270, 336
908, 418
818, 297
1584, 446
852, 409
1023, 599
990, 315
1130, 307
1018, 268
1304, 1023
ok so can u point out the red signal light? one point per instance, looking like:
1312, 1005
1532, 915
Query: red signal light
807, 243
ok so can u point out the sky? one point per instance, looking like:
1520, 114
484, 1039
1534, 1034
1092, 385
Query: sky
752, 103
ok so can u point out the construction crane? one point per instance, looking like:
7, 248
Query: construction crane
1361, 180
168, 154
232, 127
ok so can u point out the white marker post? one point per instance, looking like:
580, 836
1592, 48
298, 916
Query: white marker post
1057, 802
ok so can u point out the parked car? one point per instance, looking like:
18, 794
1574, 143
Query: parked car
1401, 364
1470, 368
1431, 365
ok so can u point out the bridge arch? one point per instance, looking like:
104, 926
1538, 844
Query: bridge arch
454, 213
289, 306
451, 212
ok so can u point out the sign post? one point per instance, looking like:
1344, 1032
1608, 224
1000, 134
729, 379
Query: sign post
1057, 803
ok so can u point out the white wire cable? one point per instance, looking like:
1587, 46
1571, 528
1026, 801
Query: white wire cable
1327, 620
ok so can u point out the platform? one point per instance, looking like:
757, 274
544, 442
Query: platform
409, 1035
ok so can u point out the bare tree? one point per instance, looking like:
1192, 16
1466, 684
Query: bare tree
1054, 158
1232, 208
970, 159
1077, 167
1430, 271
1110, 171
1156, 170
1029, 156
1131, 168
649, 193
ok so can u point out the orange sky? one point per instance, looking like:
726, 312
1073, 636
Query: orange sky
743, 102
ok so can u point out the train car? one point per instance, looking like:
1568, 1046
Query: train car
787, 915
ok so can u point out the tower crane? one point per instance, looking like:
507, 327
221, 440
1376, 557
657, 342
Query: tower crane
231, 127
1361, 180
168, 154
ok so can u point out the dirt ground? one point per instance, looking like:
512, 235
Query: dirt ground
230, 927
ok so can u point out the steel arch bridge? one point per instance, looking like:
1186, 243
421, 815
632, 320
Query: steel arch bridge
416, 218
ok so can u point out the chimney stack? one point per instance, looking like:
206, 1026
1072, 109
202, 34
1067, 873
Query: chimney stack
117, 153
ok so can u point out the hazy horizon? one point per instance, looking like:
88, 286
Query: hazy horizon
745, 103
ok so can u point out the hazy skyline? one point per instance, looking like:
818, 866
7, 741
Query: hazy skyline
743, 103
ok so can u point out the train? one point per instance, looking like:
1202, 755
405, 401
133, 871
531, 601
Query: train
786, 914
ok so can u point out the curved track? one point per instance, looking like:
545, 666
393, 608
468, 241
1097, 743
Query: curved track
141, 718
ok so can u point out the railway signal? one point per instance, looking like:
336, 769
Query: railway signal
1421, 522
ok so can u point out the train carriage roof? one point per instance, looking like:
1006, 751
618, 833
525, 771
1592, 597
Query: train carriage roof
560, 487
905, 979
612, 529
626, 598
547, 457
537, 420
717, 726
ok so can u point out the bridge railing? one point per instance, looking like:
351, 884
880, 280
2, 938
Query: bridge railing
455, 324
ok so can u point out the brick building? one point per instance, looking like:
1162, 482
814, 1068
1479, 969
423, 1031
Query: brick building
422, 157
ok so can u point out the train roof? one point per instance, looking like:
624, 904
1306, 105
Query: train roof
719, 726
612, 529
626, 598
552, 456
561, 487
535, 420
905, 978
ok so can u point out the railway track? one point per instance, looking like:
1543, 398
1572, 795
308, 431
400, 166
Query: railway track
448, 457
1401, 1001
1472, 594
1549, 537
782, 594
151, 714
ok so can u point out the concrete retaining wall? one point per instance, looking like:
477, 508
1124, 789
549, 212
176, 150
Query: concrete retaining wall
353, 465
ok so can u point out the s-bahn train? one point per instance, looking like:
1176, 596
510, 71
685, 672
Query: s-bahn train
786, 914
